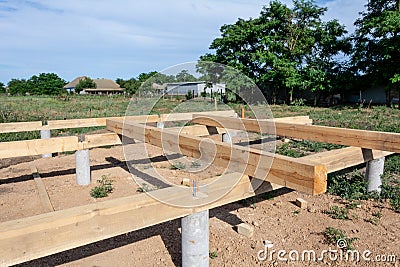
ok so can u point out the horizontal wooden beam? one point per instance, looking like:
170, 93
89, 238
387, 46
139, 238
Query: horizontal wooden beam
343, 158
99, 122
56, 144
383, 141
71, 143
14, 127
295, 120
298, 174
42, 235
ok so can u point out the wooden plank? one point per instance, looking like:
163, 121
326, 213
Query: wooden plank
43, 196
298, 174
295, 120
95, 122
98, 122
14, 127
38, 236
71, 143
195, 130
38, 146
56, 144
383, 141
99, 140
343, 158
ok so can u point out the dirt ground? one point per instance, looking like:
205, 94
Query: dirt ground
274, 217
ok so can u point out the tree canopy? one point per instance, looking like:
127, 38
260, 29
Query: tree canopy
377, 43
85, 83
43, 84
284, 49
2, 88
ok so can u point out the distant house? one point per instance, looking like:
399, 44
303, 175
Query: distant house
196, 88
103, 86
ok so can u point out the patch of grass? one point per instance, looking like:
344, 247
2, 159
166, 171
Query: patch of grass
103, 189
348, 185
196, 164
375, 219
213, 254
333, 235
352, 205
351, 185
178, 165
339, 213
287, 149
143, 188
296, 149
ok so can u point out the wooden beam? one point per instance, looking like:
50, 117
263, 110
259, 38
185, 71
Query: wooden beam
99, 122
295, 120
14, 127
43, 196
95, 122
383, 141
343, 158
298, 174
71, 143
38, 236
56, 144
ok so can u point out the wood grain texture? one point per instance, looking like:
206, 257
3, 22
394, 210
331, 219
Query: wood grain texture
298, 174
383, 141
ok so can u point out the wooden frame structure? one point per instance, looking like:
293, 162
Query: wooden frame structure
38, 236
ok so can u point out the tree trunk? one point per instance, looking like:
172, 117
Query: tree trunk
388, 94
398, 101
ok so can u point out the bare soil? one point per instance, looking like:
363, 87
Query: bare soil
274, 217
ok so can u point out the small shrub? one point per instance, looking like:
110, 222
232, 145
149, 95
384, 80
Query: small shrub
103, 189
333, 235
213, 254
178, 166
339, 213
143, 188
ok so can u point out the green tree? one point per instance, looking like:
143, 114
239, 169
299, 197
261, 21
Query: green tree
145, 76
377, 43
185, 76
2, 88
18, 86
85, 83
46, 84
131, 86
280, 47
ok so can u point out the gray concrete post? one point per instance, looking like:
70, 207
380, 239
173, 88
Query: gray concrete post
227, 138
195, 239
82, 161
373, 175
160, 124
45, 134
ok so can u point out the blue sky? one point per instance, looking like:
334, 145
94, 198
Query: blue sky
121, 38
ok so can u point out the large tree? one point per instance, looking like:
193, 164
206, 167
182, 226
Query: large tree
284, 49
46, 84
2, 88
377, 43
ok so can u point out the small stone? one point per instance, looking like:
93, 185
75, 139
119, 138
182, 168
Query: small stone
185, 182
301, 203
256, 224
245, 229
311, 209
286, 140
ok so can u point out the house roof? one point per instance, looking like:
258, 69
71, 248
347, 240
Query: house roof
102, 84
